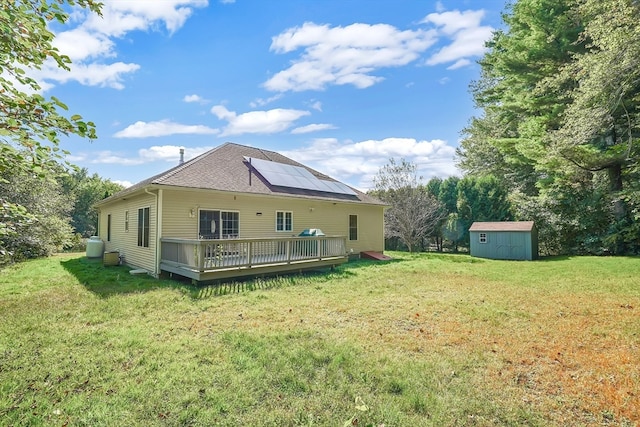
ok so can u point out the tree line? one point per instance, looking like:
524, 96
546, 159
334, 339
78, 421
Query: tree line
44, 200
559, 103
436, 215
559, 96
48, 214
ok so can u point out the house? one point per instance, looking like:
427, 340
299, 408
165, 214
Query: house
237, 210
504, 240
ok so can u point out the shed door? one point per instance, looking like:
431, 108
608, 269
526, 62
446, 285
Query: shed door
503, 246
510, 245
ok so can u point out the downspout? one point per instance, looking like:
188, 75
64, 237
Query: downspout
158, 197
99, 212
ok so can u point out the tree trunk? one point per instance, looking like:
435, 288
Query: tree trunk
615, 186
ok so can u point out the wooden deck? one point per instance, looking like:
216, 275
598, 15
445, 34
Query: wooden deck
206, 260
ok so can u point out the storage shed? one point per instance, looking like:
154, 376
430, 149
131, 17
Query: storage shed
504, 240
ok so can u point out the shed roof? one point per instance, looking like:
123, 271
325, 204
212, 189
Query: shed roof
224, 168
502, 226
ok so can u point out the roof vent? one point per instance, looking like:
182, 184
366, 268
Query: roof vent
181, 156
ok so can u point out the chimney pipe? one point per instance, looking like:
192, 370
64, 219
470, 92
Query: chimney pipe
181, 156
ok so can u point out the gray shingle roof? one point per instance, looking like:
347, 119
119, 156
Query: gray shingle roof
224, 168
502, 226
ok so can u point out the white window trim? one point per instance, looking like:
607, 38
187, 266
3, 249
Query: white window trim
483, 238
357, 228
284, 221
139, 243
229, 236
221, 227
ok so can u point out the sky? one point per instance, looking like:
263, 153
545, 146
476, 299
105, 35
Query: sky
341, 86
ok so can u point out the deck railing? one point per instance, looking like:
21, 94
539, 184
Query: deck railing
203, 255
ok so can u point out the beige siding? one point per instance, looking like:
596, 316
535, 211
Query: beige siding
258, 216
126, 242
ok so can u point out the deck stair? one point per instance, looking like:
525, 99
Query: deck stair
378, 256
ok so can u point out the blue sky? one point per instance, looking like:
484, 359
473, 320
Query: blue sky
339, 85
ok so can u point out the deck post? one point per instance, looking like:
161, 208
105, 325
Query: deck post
288, 251
198, 252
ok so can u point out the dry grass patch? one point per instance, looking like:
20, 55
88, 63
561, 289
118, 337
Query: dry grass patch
538, 334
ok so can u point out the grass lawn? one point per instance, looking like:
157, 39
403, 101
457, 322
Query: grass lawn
424, 340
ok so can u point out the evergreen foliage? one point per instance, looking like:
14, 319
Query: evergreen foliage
559, 95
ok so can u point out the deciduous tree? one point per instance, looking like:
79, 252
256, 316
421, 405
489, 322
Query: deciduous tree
86, 190
31, 124
414, 213
600, 127
46, 229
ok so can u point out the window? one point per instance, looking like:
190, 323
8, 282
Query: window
218, 224
284, 221
208, 227
353, 227
143, 227
126, 220
483, 238
109, 228
230, 224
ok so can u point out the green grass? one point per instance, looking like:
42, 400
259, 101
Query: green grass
424, 340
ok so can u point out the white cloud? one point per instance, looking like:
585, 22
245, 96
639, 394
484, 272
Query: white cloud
466, 33
222, 113
195, 98
88, 39
312, 128
459, 64
344, 55
107, 157
453, 21
358, 162
80, 44
125, 184
265, 122
316, 105
122, 16
92, 74
155, 153
162, 128
261, 102
469, 42
167, 153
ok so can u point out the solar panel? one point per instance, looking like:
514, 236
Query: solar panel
282, 175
